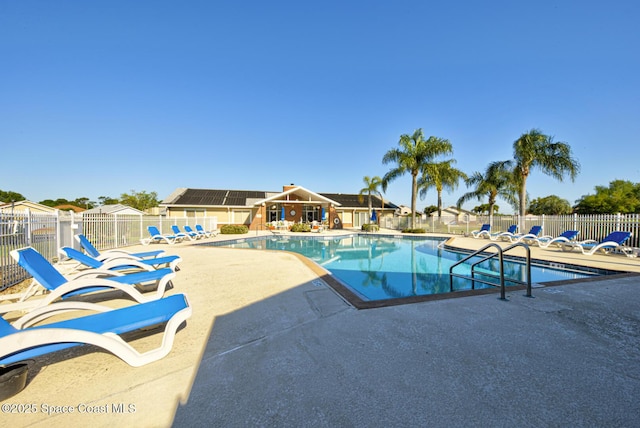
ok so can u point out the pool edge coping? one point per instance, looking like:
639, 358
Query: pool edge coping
357, 302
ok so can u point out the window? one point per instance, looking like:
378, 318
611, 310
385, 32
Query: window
241, 217
311, 213
194, 213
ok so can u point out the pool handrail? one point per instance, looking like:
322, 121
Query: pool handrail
500, 255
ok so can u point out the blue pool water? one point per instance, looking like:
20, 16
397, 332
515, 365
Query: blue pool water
378, 267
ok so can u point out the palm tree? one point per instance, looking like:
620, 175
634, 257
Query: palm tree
371, 185
440, 175
534, 149
484, 208
497, 180
413, 154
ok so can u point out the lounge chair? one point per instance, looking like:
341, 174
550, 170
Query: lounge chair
504, 235
121, 263
483, 232
88, 247
89, 281
208, 233
157, 237
612, 242
103, 329
192, 233
183, 235
547, 240
533, 233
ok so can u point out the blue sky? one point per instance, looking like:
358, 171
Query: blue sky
104, 97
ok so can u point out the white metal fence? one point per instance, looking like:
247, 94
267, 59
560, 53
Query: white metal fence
48, 232
591, 226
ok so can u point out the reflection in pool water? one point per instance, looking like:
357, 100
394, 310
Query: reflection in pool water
377, 267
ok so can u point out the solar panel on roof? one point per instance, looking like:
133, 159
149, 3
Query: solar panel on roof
201, 197
236, 201
243, 197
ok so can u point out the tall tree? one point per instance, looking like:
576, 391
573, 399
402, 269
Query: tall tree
441, 175
430, 209
621, 196
55, 203
84, 202
537, 150
371, 186
413, 154
497, 181
484, 209
9, 196
106, 200
140, 200
549, 205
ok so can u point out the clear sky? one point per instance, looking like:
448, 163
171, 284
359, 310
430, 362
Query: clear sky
98, 98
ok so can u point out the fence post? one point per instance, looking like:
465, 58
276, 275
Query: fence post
28, 226
72, 228
115, 229
521, 222
59, 239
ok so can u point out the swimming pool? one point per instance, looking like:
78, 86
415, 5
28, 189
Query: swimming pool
378, 267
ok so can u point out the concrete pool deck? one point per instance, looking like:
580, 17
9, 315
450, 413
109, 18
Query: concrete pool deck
270, 345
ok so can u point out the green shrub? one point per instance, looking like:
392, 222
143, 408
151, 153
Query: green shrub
416, 230
370, 227
234, 229
300, 227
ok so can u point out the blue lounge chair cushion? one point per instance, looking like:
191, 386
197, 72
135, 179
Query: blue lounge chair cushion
156, 236
615, 240
52, 280
511, 231
118, 263
484, 230
565, 237
93, 251
117, 321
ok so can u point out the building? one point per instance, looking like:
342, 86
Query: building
34, 207
24, 206
113, 209
404, 210
454, 215
256, 209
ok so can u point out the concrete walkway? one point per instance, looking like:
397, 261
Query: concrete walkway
270, 345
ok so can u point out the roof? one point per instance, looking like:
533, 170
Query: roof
213, 197
353, 200
299, 192
243, 198
26, 204
113, 209
69, 207
454, 210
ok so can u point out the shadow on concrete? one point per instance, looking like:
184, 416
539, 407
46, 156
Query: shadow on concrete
569, 357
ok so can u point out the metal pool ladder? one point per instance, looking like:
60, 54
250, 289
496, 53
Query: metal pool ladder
499, 253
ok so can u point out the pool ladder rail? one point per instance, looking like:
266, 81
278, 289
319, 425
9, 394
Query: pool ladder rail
500, 254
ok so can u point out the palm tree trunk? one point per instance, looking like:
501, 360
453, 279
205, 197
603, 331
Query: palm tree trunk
439, 205
491, 213
523, 205
414, 193
492, 202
